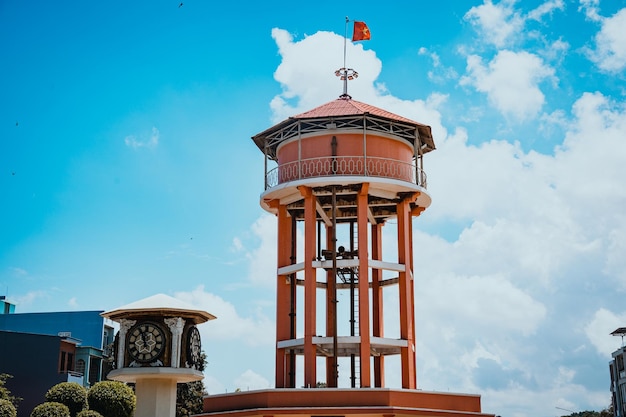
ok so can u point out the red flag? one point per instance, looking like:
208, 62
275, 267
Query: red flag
361, 32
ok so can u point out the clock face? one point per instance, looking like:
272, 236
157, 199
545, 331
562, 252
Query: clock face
146, 342
193, 346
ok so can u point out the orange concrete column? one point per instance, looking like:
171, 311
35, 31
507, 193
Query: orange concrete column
283, 296
363, 287
406, 298
412, 355
377, 302
331, 311
310, 287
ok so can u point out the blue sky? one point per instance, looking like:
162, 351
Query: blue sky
127, 169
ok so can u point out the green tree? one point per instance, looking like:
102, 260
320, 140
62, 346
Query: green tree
5, 394
608, 412
189, 395
112, 399
50, 409
89, 413
7, 409
72, 394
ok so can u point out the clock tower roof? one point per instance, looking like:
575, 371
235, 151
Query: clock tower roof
159, 304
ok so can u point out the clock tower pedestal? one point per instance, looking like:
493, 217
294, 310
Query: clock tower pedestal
157, 347
155, 388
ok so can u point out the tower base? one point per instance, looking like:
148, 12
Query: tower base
317, 402
155, 388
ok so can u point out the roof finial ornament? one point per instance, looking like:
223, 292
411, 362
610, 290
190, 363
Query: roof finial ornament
346, 74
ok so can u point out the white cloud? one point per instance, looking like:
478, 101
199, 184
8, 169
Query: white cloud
250, 380
150, 142
438, 72
212, 384
599, 328
546, 8
591, 9
487, 303
499, 23
30, 298
297, 66
511, 81
610, 52
253, 331
262, 269
237, 245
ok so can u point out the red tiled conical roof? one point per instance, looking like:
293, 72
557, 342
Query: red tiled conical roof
343, 107
347, 107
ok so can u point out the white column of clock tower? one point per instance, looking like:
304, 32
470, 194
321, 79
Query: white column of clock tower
156, 397
176, 325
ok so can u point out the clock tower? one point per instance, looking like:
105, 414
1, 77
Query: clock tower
157, 346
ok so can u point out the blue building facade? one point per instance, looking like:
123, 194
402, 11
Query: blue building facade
43, 349
88, 326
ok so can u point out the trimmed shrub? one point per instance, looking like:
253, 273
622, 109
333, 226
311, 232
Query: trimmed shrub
112, 399
89, 413
51, 409
73, 395
7, 409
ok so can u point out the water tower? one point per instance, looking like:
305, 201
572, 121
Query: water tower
336, 177
343, 170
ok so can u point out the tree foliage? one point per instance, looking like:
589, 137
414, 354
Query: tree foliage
50, 409
112, 399
7, 409
604, 413
72, 394
5, 394
189, 395
89, 413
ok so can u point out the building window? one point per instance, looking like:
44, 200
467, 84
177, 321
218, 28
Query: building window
80, 366
94, 370
62, 362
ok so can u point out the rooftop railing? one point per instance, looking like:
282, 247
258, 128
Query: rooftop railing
329, 166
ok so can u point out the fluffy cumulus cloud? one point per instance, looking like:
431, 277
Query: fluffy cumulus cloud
610, 51
546, 8
499, 23
250, 380
519, 260
601, 324
541, 252
511, 81
254, 330
503, 24
263, 257
232, 337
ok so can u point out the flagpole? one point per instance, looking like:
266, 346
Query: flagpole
345, 41
345, 74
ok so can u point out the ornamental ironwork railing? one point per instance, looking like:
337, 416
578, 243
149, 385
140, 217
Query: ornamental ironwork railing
329, 166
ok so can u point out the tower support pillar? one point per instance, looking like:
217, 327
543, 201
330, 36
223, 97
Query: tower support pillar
377, 303
363, 288
310, 287
405, 278
284, 310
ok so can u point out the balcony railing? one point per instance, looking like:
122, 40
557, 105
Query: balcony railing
330, 166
